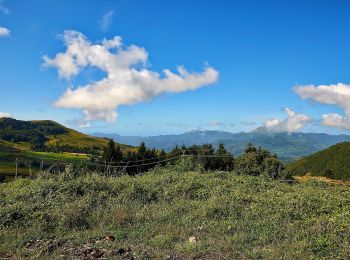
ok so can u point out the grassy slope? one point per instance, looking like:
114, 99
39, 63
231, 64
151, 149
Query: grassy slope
9, 151
155, 214
66, 135
336, 158
75, 138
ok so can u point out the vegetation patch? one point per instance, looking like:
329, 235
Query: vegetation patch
173, 213
332, 163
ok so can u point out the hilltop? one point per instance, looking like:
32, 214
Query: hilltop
288, 146
44, 140
48, 136
333, 162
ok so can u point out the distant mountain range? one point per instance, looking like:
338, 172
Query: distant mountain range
288, 146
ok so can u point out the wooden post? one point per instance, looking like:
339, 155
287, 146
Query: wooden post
41, 166
16, 168
30, 170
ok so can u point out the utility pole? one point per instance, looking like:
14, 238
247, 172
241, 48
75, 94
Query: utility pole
183, 155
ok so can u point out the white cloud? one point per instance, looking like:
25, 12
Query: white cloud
128, 79
338, 95
79, 123
293, 123
5, 114
4, 32
106, 20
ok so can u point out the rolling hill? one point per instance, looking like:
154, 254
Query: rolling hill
43, 140
47, 135
333, 162
288, 146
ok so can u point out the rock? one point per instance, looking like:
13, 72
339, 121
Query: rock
192, 239
109, 238
97, 253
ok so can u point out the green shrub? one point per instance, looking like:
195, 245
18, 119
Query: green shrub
257, 161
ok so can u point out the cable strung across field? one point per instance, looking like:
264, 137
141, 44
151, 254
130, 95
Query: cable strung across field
130, 164
169, 159
183, 152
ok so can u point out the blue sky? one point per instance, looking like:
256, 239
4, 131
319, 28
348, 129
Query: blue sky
262, 50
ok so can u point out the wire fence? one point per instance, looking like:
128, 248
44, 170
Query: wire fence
108, 168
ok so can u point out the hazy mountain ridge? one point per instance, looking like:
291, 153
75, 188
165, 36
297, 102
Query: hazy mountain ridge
288, 146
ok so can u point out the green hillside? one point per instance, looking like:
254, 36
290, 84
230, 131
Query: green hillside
46, 135
44, 140
9, 152
172, 214
333, 162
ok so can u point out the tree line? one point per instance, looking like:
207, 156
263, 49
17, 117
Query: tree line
255, 161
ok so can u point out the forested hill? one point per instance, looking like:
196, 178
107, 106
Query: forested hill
288, 146
48, 135
333, 162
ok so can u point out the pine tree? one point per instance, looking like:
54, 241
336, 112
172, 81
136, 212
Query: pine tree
109, 151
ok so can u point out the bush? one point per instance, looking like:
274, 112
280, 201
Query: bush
186, 164
259, 162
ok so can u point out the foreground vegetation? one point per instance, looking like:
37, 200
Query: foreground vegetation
177, 211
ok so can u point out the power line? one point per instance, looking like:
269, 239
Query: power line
154, 158
115, 164
175, 157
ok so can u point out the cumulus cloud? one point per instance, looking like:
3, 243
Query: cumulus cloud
5, 114
4, 32
293, 123
106, 20
128, 79
338, 95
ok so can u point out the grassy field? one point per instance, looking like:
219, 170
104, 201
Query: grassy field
171, 212
22, 136
8, 160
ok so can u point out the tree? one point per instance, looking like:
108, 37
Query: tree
118, 155
258, 162
162, 156
109, 151
250, 148
141, 152
225, 161
112, 153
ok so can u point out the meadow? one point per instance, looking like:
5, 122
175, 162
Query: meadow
8, 161
173, 212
